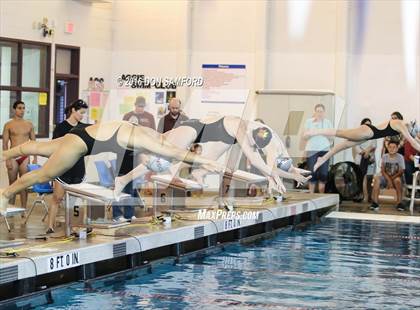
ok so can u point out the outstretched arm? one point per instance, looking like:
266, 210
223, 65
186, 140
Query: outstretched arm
257, 161
275, 149
6, 138
33, 138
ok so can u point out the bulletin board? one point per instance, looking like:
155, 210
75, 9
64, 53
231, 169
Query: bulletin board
224, 83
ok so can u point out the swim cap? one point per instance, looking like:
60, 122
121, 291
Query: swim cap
262, 136
284, 163
158, 164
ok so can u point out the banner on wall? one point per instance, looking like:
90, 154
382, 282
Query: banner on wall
224, 83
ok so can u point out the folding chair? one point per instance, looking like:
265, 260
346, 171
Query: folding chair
41, 189
11, 211
415, 187
106, 176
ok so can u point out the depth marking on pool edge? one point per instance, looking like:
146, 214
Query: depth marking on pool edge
63, 261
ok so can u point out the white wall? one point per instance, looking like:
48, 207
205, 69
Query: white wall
307, 62
147, 39
223, 32
378, 74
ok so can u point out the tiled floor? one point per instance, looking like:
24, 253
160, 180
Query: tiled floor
385, 208
34, 227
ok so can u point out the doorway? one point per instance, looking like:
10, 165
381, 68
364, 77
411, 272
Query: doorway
67, 61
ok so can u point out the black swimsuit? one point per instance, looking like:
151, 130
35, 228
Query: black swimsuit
213, 132
382, 133
99, 146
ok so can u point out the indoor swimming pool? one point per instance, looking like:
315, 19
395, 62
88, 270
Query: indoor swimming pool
335, 264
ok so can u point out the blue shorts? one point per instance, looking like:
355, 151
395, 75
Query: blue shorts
321, 175
384, 182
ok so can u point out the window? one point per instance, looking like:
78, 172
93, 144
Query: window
25, 75
66, 79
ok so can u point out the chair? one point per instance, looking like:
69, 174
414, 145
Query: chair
106, 176
113, 163
415, 187
41, 189
11, 211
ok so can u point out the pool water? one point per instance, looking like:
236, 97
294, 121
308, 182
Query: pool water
336, 264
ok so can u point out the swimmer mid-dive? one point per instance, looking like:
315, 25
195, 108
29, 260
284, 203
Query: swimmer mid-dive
64, 152
216, 135
361, 134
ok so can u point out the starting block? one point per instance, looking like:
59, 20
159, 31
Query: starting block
171, 192
12, 211
88, 195
239, 181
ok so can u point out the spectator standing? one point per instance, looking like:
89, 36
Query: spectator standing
140, 116
317, 146
173, 117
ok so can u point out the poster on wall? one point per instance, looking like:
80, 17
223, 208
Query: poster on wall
169, 95
123, 101
224, 83
97, 102
159, 97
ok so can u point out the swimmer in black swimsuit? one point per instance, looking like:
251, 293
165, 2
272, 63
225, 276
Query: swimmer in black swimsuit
64, 152
361, 134
378, 134
216, 135
210, 132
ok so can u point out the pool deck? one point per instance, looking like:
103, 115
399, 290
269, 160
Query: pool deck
374, 217
36, 259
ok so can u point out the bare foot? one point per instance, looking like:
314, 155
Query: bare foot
320, 161
4, 203
118, 187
